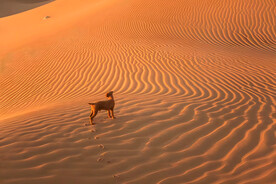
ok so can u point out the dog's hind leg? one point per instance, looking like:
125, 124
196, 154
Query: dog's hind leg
92, 115
91, 120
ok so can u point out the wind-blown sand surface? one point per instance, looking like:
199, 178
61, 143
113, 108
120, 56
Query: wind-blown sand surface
194, 84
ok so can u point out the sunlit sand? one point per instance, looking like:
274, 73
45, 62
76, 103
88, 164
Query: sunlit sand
193, 81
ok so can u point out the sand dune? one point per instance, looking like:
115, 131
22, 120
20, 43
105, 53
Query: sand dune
11, 7
194, 84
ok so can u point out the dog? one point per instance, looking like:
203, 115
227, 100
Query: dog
103, 105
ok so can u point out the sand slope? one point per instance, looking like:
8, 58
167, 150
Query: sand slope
194, 84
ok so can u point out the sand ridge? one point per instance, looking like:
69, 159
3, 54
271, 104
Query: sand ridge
194, 84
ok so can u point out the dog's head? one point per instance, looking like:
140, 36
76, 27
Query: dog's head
109, 94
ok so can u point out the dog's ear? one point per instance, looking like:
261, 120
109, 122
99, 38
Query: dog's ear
108, 94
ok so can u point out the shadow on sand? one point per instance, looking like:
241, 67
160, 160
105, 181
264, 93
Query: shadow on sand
11, 7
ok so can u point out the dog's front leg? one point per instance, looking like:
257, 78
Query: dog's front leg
108, 113
112, 113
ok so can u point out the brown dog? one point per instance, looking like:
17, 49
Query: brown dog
103, 105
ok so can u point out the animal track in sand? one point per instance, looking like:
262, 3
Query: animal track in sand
100, 159
195, 84
46, 17
101, 146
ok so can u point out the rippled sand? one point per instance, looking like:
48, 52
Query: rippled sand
194, 84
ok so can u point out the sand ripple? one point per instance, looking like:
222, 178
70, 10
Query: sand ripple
195, 91
153, 140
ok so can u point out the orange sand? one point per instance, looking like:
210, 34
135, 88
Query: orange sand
194, 84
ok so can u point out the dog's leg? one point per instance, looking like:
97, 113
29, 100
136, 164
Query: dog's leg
108, 111
112, 112
91, 114
90, 117
95, 112
91, 120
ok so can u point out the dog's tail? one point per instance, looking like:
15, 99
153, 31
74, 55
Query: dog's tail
91, 103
